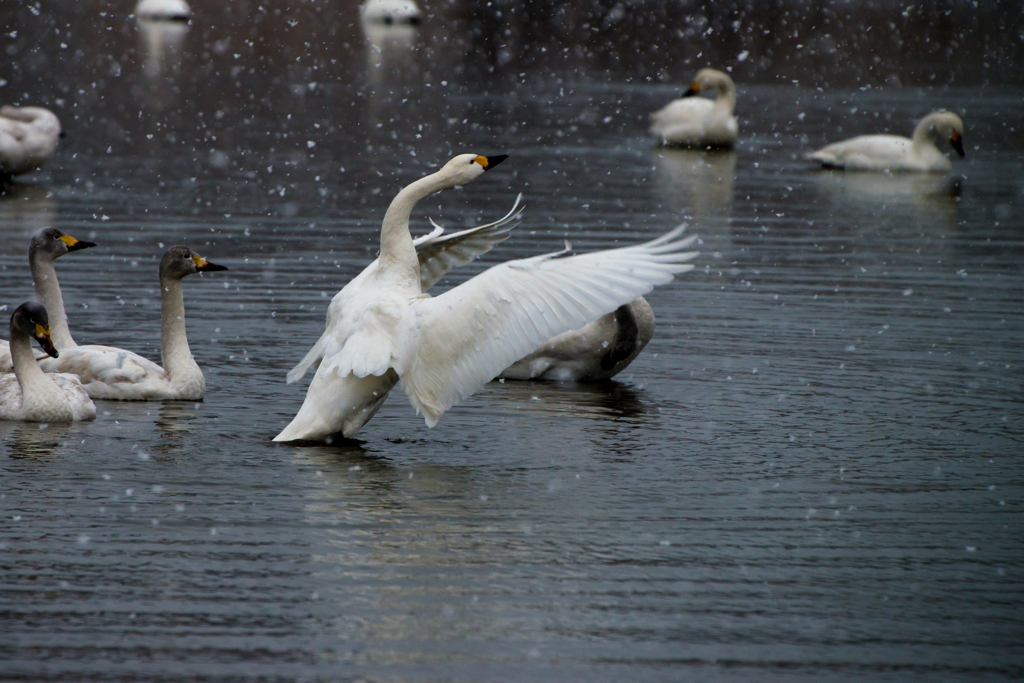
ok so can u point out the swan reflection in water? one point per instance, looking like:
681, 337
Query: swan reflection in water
24, 209
933, 197
176, 417
695, 182
390, 63
597, 401
163, 45
32, 439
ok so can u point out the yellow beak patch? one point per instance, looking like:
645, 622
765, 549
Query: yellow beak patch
42, 332
482, 161
199, 261
68, 240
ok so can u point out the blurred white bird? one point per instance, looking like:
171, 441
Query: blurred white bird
696, 122
165, 10
28, 138
382, 329
390, 12
896, 153
30, 394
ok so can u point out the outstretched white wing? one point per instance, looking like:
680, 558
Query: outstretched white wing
453, 344
439, 254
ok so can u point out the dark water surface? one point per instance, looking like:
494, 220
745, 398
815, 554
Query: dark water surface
812, 473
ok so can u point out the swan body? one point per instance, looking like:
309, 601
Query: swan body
166, 10
597, 351
46, 246
443, 349
895, 153
30, 394
115, 374
697, 122
28, 138
390, 12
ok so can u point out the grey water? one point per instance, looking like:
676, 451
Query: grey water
813, 472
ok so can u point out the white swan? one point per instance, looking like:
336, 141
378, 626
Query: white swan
28, 138
897, 153
47, 245
116, 374
390, 12
597, 351
382, 329
698, 122
30, 394
163, 10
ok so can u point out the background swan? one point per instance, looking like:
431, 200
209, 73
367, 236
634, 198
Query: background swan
697, 122
46, 246
390, 12
382, 329
113, 373
897, 153
30, 394
597, 351
28, 138
167, 10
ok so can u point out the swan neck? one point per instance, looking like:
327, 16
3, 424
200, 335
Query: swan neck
726, 96
44, 277
397, 252
174, 348
923, 134
26, 368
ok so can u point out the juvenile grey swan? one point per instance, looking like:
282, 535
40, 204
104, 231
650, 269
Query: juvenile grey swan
29, 394
46, 246
116, 374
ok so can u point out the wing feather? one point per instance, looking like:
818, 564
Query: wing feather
437, 254
454, 343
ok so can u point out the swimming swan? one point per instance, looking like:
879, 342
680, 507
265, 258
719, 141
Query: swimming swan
116, 374
47, 245
28, 138
382, 329
597, 351
697, 122
30, 394
897, 153
163, 10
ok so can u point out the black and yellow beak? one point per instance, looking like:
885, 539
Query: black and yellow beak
75, 244
490, 162
694, 90
43, 337
204, 265
958, 143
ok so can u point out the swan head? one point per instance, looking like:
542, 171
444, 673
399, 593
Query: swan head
466, 168
181, 261
710, 80
54, 243
32, 319
945, 125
